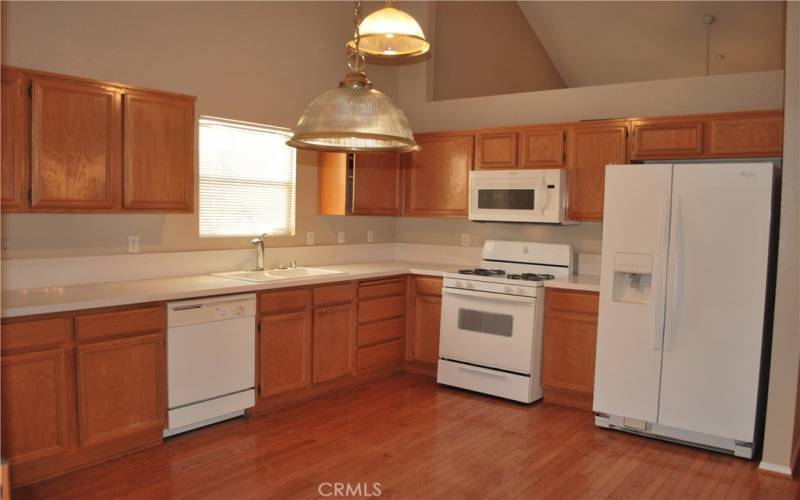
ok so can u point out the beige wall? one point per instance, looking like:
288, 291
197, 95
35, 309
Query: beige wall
254, 61
488, 48
783, 407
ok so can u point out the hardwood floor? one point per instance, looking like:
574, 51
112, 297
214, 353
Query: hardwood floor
418, 441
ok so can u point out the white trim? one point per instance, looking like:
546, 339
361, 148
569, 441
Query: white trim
778, 469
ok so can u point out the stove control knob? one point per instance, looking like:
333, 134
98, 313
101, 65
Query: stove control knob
470, 285
458, 284
508, 289
520, 291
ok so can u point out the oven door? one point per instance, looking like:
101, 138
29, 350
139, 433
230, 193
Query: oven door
500, 196
488, 329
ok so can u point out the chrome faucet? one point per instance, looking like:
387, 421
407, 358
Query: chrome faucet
259, 244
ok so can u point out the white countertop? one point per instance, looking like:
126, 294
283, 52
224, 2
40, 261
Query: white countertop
584, 282
28, 301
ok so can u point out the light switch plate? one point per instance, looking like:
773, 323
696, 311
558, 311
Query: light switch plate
310, 238
465, 240
133, 243
339, 236
370, 236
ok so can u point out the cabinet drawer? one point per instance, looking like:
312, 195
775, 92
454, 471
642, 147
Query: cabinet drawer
572, 301
383, 331
35, 335
382, 288
424, 285
283, 301
379, 355
378, 309
334, 294
96, 327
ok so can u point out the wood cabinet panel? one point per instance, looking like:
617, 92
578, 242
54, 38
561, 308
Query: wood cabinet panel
542, 147
427, 285
284, 301
75, 145
437, 178
332, 183
746, 134
380, 309
284, 352
30, 335
382, 288
496, 149
590, 148
376, 184
666, 139
159, 152
334, 342
427, 314
15, 146
121, 388
380, 355
565, 301
382, 331
37, 413
333, 294
115, 324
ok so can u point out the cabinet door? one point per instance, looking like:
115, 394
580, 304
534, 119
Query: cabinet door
496, 150
159, 152
542, 147
591, 148
284, 352
666, 139
427, 314
75, 146
15, 137
747, 134
334, 342
437, 178
376, 184
121, 388
36, 409
569, 352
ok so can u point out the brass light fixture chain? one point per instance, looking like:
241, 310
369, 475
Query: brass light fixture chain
355, 59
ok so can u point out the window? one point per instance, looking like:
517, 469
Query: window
247, 176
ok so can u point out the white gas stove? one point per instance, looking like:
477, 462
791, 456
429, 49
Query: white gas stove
493, 318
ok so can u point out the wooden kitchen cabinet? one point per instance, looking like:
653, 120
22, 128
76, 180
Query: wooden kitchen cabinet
76, 140
15, 147
667, 138
542, 147
425, 316
570, 340
334, 342
437, 177
284, 342
591, 146
496, 149
360, 184
745, 134
158, 151
381, 322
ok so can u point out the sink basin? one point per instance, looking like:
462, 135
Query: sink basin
277, 274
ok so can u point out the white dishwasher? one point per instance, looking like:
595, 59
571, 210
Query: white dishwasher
210, 360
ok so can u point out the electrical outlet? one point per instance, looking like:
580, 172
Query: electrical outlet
339, 236
465, 240
370, 236
133, 244
310, 238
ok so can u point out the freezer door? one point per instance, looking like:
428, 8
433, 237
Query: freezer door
716, 298
632, 290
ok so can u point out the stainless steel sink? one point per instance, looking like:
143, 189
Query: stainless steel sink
277, 274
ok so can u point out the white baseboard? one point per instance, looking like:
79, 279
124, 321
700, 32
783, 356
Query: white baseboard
778, 469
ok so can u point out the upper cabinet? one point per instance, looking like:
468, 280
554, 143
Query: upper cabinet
746, 134
592, 146
542, 147
159, 152
437, 177
496, 149
672, 138
359, 184
77, 145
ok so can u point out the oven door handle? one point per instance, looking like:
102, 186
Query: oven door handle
498, 297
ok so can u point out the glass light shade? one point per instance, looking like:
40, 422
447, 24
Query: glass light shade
390, 32
353, 117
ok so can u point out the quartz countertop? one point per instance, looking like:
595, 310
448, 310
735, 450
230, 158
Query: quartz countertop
584, 282
29, 301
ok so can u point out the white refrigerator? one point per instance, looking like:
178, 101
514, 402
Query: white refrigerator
686, 302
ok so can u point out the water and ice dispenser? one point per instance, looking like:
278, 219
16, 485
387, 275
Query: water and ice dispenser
633, 273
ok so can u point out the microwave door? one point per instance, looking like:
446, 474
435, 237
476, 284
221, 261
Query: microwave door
507, 201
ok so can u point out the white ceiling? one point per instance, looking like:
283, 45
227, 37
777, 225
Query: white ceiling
595, 43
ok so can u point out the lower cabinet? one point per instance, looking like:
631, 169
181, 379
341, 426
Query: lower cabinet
381, 322
570, 339
79, 388
285, 352
425, 314
334, 342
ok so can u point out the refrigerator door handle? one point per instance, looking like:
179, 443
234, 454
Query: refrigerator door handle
669, 333
661, 254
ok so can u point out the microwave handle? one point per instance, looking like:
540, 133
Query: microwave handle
546, 197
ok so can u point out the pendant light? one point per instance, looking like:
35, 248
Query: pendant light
354, 116
391, 33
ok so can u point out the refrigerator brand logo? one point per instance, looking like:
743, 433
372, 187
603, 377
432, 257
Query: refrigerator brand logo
349, 490
747, 175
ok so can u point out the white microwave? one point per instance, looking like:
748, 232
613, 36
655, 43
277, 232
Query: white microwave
518, 196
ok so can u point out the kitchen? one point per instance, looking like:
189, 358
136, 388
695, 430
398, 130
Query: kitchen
359, 252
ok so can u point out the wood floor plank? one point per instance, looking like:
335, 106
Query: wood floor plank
419, 441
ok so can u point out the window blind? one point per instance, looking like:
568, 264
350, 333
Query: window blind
247, 179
